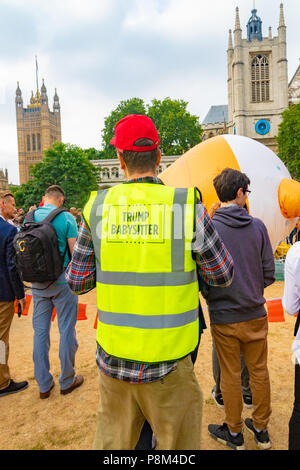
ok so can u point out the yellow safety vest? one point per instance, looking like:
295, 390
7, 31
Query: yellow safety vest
147, 287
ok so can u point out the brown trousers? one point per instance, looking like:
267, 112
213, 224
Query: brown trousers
6, 316
250, 338
172, 407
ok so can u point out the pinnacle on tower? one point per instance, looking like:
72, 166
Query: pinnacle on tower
19, 99
56, 105
270, 32
43, 88
230, 44
18, 91
237, 19
44, 96
281, 19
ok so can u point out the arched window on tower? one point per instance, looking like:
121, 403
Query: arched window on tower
33, 142
39, 141
260, 79
28, 143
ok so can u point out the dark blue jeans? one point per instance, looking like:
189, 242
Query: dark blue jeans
294, 424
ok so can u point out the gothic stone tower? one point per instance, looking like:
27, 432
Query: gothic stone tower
257, 80
3, 180
37, 128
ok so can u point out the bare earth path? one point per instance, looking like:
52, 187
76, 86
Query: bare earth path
68, 422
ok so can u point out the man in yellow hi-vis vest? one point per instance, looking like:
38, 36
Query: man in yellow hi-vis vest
140, 244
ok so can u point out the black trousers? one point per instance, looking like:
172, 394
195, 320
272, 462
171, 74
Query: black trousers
294, 424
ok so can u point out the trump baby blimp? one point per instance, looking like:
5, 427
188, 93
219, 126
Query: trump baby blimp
275, 196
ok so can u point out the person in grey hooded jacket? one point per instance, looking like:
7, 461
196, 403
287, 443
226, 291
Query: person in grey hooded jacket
238, 318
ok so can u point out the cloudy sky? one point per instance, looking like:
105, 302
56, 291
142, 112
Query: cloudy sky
99, 52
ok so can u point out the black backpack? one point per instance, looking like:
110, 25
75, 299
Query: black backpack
38, 258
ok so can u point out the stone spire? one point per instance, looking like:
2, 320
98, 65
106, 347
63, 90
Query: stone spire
270, 32
281, 19
237, 29
19, 99
18, 90
44, 97
230, 43
56, 105
237, 19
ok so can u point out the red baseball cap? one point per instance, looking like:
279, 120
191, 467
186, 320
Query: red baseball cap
133, 127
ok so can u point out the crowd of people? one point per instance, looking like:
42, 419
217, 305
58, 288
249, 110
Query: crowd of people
148, 254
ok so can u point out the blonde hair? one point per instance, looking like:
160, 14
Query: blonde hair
5, 194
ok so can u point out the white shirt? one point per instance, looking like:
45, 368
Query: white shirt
9, 221
291, 296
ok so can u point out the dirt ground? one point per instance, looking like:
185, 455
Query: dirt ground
69, 422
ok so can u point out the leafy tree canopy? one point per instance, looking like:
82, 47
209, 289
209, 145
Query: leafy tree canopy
289, 140
177, 128
94, 154
66, 165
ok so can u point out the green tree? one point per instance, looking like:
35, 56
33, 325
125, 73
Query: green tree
289, 140
178, 129
66, 165
94, 154
131, 106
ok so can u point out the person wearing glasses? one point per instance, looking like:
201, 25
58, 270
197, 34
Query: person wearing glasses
239, 322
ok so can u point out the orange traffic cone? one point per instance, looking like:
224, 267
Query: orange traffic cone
53, 314
81, 315
27, 305
275, 311
96, 322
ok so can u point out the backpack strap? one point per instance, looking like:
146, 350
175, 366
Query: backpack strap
53, 214
30, 217
198, 194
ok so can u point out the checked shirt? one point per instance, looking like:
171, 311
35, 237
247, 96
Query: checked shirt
215, 267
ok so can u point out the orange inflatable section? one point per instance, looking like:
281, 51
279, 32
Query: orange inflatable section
199, 166
289, 198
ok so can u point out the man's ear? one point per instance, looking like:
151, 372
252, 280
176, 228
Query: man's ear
240, 193
158, 157
121, 160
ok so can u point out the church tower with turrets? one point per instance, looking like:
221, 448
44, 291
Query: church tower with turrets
257, 80
37, 128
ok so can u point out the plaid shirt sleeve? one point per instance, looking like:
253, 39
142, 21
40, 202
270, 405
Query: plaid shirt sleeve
215, 263
81, 271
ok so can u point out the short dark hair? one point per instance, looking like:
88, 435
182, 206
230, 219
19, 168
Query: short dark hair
229, 182
141, 161
54, 191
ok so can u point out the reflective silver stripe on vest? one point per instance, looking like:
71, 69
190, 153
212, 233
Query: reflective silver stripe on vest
178, 229
96, 223
148, 322
146, 279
